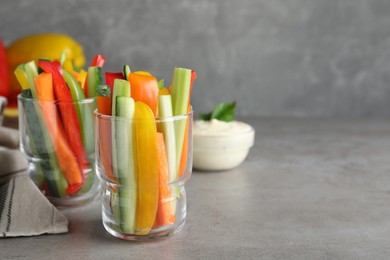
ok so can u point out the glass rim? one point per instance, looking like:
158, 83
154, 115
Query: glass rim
161, 119
33, 100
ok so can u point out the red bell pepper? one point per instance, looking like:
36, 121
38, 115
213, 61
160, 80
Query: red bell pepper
68, 112
98, 61
4, 73
111, 76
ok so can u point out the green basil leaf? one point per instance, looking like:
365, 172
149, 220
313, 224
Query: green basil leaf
222, 112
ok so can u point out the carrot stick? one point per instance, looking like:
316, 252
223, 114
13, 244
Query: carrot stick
104, 107
165, 214
66, 159
184, 153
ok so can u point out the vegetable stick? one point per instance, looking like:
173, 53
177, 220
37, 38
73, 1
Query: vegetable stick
105, 149
84, 112
146, 157
168, 129
144, 88
181, 84
98, 61
165, 210
94, 79
121, 88
184, 153
127, 189
66, 159
111, 76
68, 113
54, 178
42, 145
104, 105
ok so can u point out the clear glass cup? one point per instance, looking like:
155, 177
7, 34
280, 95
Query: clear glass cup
143, 165
60, 148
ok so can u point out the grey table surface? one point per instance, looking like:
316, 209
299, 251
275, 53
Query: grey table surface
309, 189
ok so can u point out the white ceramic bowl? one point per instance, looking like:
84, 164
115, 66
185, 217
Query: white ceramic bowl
216, 152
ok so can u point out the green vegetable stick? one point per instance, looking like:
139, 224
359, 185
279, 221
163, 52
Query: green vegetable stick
127, 190
121, 88
84, 113
94, 80
180, 92
168, 129
51, 171
126, 71
31, 71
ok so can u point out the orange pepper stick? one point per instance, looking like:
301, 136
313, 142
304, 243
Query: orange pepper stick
144, 88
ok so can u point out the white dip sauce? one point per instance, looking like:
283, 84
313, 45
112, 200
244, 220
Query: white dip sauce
220, 128
221, 145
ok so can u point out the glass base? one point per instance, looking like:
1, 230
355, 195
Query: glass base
77, 200
113, 225
155, 234
48, 182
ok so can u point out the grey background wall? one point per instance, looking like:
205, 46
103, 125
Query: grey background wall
275, 57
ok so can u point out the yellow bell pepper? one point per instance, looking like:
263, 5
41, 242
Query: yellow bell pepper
45, 45
146, 158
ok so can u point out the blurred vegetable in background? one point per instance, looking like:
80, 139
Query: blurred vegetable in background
4, 71
33, 47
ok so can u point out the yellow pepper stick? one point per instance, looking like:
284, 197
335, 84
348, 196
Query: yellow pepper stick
146, 157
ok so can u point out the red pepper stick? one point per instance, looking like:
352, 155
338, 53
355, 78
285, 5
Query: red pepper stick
68, 113
111, 76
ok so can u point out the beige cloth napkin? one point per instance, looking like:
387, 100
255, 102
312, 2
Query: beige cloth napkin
24, 210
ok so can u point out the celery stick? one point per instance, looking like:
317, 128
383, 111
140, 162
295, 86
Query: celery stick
180, 90
168, 129
31, 71
125, 164
180, 94
21, 76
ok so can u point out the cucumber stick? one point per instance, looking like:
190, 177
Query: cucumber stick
125, 163
121, 89
94, 80
84, 113
126, 71
38, 132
